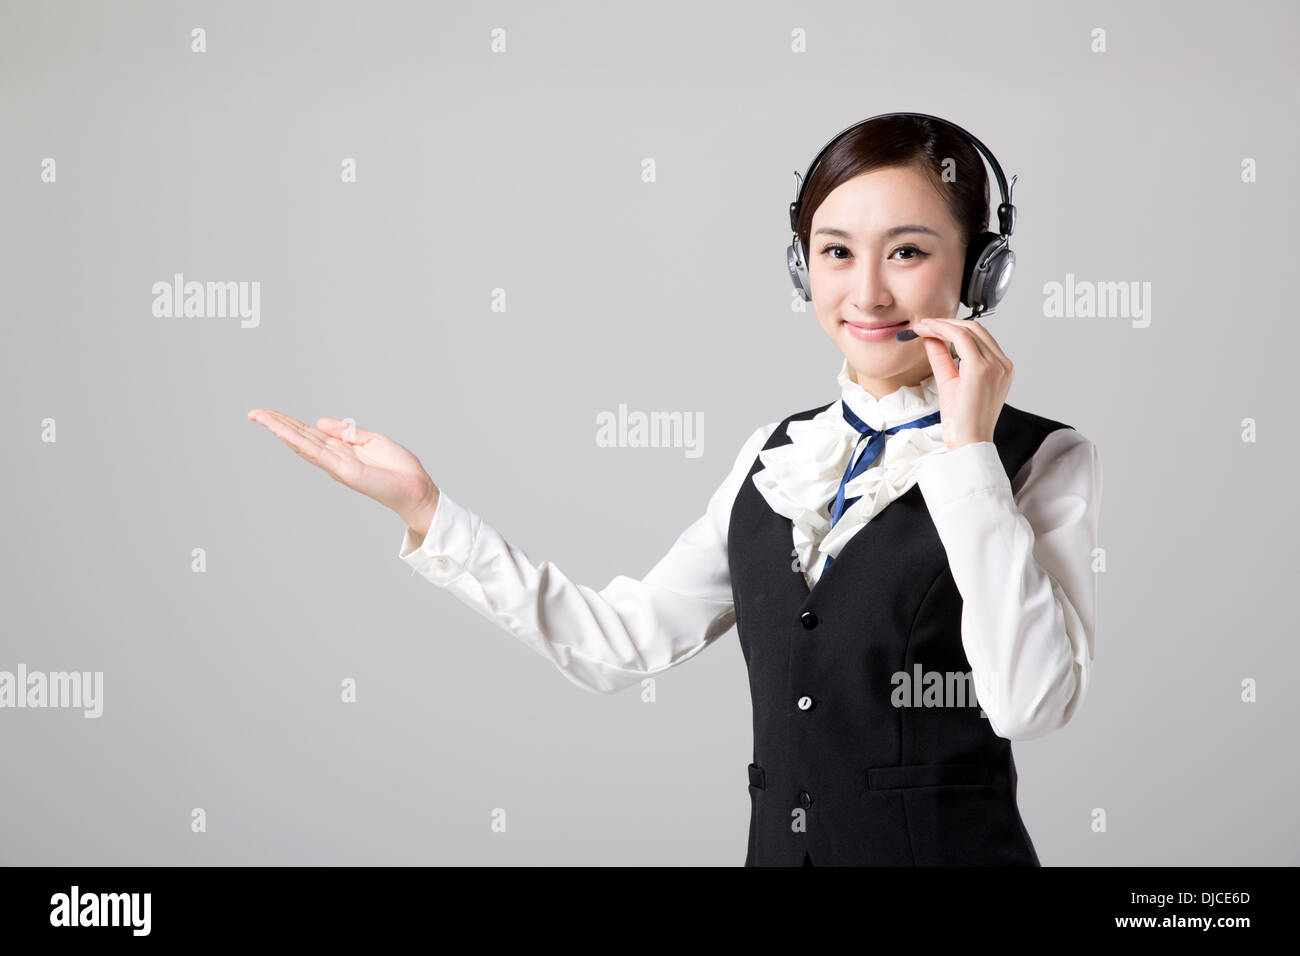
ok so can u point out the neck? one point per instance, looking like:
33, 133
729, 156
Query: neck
878, 388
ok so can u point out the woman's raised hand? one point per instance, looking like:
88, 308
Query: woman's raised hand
971, 400
365, 461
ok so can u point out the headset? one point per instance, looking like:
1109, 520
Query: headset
989, 259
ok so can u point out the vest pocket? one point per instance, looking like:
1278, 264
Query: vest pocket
910, 776
953, 814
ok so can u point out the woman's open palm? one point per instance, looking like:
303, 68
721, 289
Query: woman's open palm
365, 461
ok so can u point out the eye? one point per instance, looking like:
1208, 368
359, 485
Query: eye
916, 253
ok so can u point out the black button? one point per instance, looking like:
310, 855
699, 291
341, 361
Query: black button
809, 619
805, 799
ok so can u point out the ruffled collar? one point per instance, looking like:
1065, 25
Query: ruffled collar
799, 480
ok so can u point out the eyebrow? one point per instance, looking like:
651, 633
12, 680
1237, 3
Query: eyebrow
887, 234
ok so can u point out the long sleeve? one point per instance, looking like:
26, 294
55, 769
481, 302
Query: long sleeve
1021, 555
603, 640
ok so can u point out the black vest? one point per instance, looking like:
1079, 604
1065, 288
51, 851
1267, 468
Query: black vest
842, 776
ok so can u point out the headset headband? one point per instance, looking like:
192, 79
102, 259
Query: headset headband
1006, 211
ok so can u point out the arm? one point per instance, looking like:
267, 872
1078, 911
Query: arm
603, 640
1021, 555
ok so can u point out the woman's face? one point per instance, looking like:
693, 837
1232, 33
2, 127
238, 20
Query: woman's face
883, 248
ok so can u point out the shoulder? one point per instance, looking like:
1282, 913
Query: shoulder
1028, 442
758, 439
774, 433
1057, 450
1019, 433
771, 434
1016, 419
1048, 433
808, 413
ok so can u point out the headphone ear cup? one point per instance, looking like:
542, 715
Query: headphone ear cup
974, 252
798, 266
986, 276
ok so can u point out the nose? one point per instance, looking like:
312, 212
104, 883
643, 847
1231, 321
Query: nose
869, 289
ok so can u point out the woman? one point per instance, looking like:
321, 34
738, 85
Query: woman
884, 557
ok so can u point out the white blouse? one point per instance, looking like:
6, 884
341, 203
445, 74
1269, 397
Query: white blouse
1020, 552
799, 480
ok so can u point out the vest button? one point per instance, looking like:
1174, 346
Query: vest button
808, 619
805, 799
805, 703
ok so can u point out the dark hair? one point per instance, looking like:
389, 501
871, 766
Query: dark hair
904, 141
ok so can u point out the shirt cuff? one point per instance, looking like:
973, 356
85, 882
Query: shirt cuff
950, 476
444, 554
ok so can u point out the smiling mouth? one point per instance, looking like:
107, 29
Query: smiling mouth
874, 326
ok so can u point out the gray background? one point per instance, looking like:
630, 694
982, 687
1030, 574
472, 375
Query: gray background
522, 170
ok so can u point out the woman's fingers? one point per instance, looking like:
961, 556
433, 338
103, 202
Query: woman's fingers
364, 461
344, 431
310, 443
981, 339
969, 346
295, 437
308, 433
991, 347
992, 350
300, 427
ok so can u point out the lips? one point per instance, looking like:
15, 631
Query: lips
877, 325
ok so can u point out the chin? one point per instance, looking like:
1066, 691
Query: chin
888, 351
879, 360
